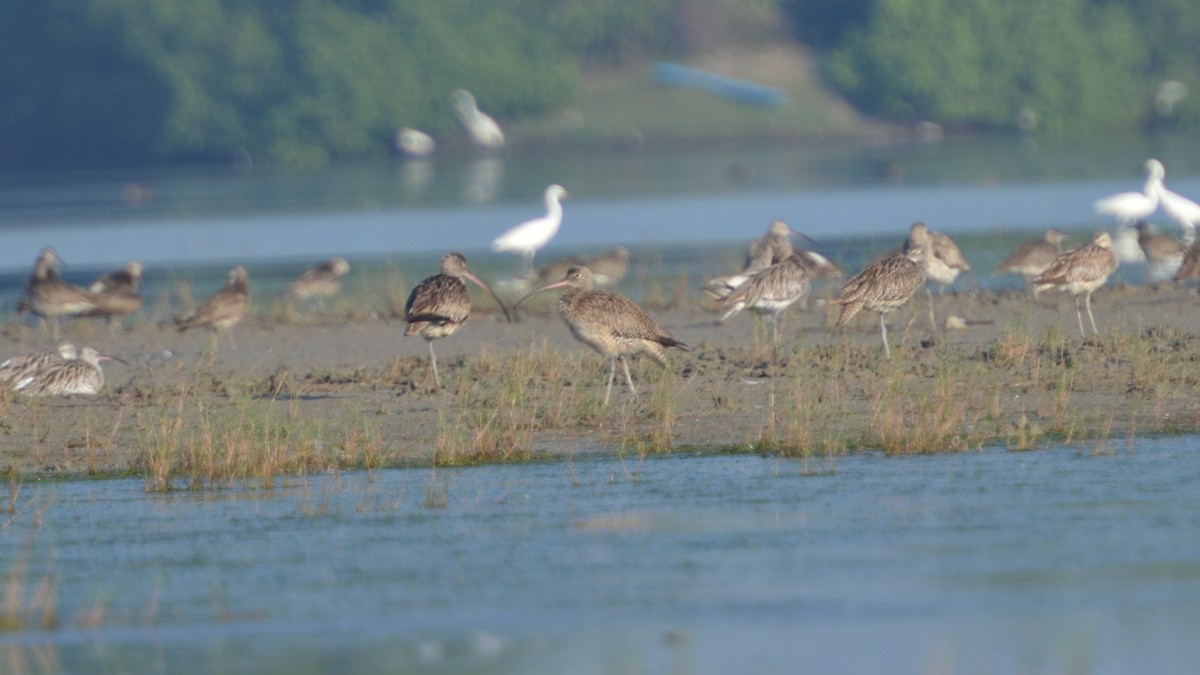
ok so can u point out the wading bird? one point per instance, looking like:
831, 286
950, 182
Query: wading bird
943, 261
1130, 207
49, 297
116, 294
612, 325
1164, 252
320, 282
223, 310
883, 286
439, 305
17, 368
770, 292
532, 235
76, 376
482, 128
772, 248
1080, 272
1032, 258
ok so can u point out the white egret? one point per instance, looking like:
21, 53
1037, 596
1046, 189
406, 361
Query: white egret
483, 129
415, 143
1129, 207
532, 235
1180, 209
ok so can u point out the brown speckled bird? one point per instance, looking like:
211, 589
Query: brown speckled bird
1190, 268
770, 292
116, 294
883, 286
49, 297
439, 305
943, 261
76, 376
322, 281
1080, 272
770, 249
1164, 253
17, 368
614, 326
224, 309
1032, 258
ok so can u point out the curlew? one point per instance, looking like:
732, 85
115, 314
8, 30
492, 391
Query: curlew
612, 325
943, 261
224, 309
608, 268
482, 128
772, 248
1164, 253
1080, 272
532, 235
1129, 207
439, 305
17, 368
883, 286
1032, 258
770, 292
49, 297
1190, 267
116, 294
320, 282
76, 376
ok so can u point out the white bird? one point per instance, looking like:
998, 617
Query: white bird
482, 128
415, 143
532, 235
1180, 209
1130, 207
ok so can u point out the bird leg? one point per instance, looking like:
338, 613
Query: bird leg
529, 263
883, 330
932, 318
433, 362
1079, 315
1087, 302
232, 343
612, 373
628, 379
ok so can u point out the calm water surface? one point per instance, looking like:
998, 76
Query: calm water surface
1069, 559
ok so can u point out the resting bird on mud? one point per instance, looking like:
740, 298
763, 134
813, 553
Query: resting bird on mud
22, 366
74, 376
612, 325
770, 249
943, 261
1081, 272
1032, 258
883, 286
439, 305
116, 294
224, 310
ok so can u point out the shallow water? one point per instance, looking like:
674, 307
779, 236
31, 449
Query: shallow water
1068, 559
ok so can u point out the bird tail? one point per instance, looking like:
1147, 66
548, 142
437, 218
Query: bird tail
849, 309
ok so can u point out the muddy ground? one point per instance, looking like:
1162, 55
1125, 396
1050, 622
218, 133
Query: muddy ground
1019, 373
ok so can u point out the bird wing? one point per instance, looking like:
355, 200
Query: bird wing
625, 318
440, 297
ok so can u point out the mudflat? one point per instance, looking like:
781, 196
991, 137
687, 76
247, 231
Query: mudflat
324, 391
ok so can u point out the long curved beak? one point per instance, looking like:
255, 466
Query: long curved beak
106, 357
547, 287
492, 293
803, 236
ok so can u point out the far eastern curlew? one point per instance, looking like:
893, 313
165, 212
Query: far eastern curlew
1032, 258
224, 309
770, 249
1164, 253
78, 376
17, 368
116, 294
49, 297
883, 286
770, 292
608, 268
1082, 271
439, 305
612, 325
320, 282
943, 261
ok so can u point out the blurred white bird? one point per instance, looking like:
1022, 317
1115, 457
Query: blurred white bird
482, 128
532, 235
1180, 209
415, 143
1129, 207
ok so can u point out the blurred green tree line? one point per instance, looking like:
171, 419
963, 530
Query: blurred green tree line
127, 82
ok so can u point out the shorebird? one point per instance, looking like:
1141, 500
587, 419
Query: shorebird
224, 309
439, 305
17, 368
1190, 267
483, 129
532, 235
770, 292
76, 376
49, 297
1130, 207
612, 325
883, 286
607, 268
320, 282
1164, 253
943, 261
1082, 271
1032, 258
772, 248
116, 294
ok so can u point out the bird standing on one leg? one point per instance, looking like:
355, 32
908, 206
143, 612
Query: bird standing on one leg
439, 305
883, 286
1080, 272
612, 325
